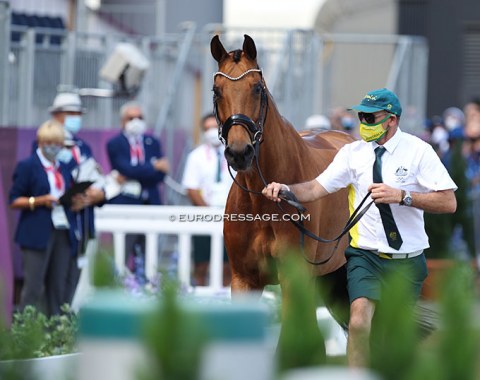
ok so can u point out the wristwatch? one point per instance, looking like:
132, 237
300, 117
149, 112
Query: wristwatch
406, 198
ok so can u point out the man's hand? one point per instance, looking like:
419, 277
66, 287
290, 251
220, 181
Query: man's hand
382, 193
91, 196
272, 190
46, 200
79, 202
161, 165
121, 179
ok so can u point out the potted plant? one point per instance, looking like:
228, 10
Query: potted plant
38, 346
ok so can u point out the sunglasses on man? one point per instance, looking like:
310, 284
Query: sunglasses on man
369, 117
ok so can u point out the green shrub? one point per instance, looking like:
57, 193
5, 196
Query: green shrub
33, 335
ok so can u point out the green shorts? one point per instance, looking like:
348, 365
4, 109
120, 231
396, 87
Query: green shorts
366, 273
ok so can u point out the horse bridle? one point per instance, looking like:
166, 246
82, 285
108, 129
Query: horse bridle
255, 129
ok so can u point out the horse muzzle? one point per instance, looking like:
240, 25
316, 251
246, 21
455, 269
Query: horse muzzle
240, 158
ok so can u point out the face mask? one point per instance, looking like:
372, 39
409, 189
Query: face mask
135, 127
211, 137
65, 155
373, 132
347, 123
452, 122
73, 123
51, 151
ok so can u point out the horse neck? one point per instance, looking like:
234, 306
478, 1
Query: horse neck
283, 153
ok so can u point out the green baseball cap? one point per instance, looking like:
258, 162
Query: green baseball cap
381, 99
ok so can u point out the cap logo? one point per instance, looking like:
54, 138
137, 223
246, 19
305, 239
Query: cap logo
371, 97
389, 106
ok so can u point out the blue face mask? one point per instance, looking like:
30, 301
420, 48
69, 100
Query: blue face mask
51, 151
73, 123
65, 155
347, 123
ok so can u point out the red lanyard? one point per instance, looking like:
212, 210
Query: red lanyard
58, 179
136, 152
75, 154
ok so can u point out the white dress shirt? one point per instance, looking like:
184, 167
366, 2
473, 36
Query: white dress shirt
409, 164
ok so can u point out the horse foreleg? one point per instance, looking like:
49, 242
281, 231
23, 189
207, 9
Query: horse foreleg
242, 284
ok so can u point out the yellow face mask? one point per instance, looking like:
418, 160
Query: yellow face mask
373, 132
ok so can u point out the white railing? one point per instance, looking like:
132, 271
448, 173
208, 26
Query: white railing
183, 221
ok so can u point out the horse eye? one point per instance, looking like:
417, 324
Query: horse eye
258, 88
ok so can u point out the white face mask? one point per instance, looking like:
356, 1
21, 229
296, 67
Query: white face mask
211, 137
452, 122
135, 127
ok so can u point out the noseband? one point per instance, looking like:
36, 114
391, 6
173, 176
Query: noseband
255, 129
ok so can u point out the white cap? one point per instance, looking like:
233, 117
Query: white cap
318, 122
67, 101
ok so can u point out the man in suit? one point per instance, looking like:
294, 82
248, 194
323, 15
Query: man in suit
138, 160
67, 110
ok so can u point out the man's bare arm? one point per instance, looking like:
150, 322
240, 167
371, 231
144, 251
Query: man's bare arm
305, 191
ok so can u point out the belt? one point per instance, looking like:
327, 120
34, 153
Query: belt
398, 255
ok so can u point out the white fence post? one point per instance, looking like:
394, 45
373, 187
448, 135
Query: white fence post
119, 249
182, 221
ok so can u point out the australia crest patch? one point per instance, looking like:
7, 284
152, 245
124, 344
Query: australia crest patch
401, 174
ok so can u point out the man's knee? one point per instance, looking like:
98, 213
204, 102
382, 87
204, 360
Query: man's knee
361, 314
358, 324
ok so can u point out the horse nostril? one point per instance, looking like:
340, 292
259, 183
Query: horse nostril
248, 152
240, 160
228, 153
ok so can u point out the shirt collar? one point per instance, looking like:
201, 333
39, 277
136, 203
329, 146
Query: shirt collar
133, 140
391, 144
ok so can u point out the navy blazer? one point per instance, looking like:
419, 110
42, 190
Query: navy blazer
85, 218
118, 149
34, 227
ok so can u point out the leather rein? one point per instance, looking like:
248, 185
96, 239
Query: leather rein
255, 130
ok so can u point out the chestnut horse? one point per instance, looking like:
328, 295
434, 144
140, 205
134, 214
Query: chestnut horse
253, 131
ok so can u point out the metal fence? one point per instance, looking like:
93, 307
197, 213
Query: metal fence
305, 72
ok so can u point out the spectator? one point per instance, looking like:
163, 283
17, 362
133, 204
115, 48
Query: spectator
343, 120
67, 110
451, 235
138, 160
317, 123
46, 229
208, 182
472, 150
439, 137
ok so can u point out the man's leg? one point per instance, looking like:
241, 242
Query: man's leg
201, 259
358, 346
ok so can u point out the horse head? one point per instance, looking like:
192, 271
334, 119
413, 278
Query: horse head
240, 101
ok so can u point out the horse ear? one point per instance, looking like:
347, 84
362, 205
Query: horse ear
249, 47
217, 49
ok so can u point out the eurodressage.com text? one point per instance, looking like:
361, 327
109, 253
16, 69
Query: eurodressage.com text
190, 218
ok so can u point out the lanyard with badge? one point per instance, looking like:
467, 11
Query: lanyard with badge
59, 218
